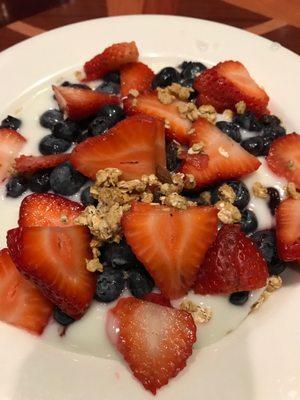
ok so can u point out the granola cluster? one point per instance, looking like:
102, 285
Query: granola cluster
292, 191
273, 283
200, 314
228, 213
259, 190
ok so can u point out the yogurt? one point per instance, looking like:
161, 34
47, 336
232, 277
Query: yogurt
88, 335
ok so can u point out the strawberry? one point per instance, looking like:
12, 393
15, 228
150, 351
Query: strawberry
284, 158
157, 298
11, 142
54, 258
22, 304
228, 83
288, 230
232, 264
111, 59
170, 243
137, 76
45, 209
223, 158
81, 103
32, 164
148, 103
135, 145
155, 341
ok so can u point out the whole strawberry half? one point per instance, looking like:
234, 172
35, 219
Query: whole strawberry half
111, 59
226, 84
222, 157
22, 303
170, 243
154, 340
135, 76
288, 230
33, 164
232, 264
54, 259
11, 143
135, 145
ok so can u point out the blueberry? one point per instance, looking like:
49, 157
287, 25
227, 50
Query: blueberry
39, 182
113, 76
254, 146
75, 85
61, 317
231, 129
165, 77
82, 136
186, 82
239, 298
277, 267
267, 141
274, 131
247, 121
113, 112
49, 118
108, 87
171, 156
191, 69
66, 130
242, 195
249, 221
11, 123
16, 186
53, 145
65, 180
86, 198
110, 284
265, 241
267, 120
100, 125
274, 199
119, 255
139, 282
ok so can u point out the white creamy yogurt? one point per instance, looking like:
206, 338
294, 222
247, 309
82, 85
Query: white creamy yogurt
88, 335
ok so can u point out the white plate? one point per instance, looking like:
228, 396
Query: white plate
258, 361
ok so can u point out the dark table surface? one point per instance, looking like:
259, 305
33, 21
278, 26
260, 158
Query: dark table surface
277, 20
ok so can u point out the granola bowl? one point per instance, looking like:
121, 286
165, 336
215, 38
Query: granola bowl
254, 361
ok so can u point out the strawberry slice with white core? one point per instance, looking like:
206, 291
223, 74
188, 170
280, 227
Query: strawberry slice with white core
11, 143
154, 340
54, 259
22, 304
78, 103
135, 145
222, 157
33, 164
170, 243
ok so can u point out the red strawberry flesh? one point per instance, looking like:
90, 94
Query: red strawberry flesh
33, 164
11, 143
135, 76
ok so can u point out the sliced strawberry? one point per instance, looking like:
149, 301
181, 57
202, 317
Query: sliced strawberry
135, 145
46, 209
170, 243
148, 103
155, 341
54, 258
157, 298
284, 158
232, 264
79, 103
288, 230
228, 83
32, 164
137, 76
111, 59
226, 158
22, 304
11, 143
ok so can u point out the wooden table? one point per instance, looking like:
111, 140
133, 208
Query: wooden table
278, 20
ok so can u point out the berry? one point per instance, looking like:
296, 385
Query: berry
242, 195
51, 117
190, 69
154, 340
108, 87
113, 76
171, 154
16, 186
39, 182
114, 112
111, 59
239, 298
249, 221
231, 129
232, 264
265, 241
274, 131
47, 209
65, 180
165, 77
278, 267
170, 243
274, 199
22, 303
187, 83
11, 123
135, 76
86, 198
271, 120
119, 255
135, 145
52, 145
75, 85
66, 130
99, 125
139, 282
61, 317
157, 298
254, 145
11, 143
33, 164
247, 121
54, 258
110, 284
